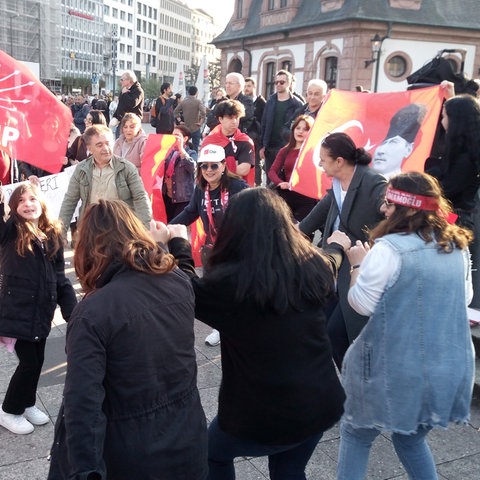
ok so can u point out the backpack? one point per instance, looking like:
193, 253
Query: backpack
161, 115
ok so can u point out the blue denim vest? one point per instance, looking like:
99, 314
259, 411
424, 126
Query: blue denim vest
413, 363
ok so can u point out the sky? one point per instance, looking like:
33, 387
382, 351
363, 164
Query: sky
220, 10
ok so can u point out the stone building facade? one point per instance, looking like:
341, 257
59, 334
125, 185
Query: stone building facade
333, 40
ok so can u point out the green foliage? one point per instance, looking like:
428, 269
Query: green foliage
151, 87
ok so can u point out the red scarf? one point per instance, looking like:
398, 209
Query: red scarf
216, 137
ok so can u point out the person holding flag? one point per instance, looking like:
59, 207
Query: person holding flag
215, 186
178, 181
281, 170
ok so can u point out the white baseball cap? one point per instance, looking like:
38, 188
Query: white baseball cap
211, 153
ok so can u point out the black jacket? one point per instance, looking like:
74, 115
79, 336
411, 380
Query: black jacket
130, 101
131, 406
30, 287
269, 115
279, 386
360, 212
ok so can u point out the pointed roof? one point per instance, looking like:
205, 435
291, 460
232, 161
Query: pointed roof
435, 13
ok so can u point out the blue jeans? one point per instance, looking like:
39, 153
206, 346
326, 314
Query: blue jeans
195, 139
285, 462
412, 450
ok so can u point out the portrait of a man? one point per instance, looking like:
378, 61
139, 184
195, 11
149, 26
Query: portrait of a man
399, 141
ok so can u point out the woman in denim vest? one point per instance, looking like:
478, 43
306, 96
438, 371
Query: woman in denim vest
411, 367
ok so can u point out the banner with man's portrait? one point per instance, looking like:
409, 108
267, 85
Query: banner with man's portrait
396, 128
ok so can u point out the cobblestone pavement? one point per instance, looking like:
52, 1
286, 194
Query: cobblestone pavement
456, 450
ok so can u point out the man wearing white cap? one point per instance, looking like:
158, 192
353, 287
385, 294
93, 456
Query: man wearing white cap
215, 185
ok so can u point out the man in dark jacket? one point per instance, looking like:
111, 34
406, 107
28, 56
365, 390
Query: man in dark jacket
131, 99
255, 130
277, 117
234, 85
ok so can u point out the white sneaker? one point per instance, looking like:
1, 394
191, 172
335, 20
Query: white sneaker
36, 416
15, 423
213, 339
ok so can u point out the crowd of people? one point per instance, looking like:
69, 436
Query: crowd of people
309, 335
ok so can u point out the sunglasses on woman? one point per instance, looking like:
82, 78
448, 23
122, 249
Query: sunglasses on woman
213, 166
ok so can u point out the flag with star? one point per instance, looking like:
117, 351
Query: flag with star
152, 171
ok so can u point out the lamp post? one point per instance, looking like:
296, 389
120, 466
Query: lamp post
377, 43
114, 57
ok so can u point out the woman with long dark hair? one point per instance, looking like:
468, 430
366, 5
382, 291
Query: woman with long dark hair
352, 205
411, 368
131, 407
282, 168
215, 186
459, 168
279, 389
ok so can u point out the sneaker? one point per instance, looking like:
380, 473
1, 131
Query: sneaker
213, 339
36, 416
15, 423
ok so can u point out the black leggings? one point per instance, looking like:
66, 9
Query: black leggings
22, 389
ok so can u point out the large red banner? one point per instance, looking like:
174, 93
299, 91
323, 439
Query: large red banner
34, 123
152, 171
396, 128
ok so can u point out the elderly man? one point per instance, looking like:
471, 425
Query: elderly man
316, 91
104, 176
234, 85
131, 98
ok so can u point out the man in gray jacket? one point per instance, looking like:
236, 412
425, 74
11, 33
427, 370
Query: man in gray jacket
104, 175
193, 112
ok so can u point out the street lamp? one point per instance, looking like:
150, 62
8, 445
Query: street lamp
377, 43
114, 57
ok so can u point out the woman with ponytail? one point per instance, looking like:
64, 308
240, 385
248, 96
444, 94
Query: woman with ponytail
352, 206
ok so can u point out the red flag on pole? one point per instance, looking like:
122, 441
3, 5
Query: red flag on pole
371, 119
152, 171
34, 123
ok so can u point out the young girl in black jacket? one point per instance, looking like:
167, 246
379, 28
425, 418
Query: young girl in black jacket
32, 283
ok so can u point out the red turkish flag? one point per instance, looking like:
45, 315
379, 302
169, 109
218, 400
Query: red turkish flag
152, 171
369, 118
34, 123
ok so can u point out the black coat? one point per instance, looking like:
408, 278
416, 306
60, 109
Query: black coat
30, 287
130, 101
279, 385
360, 212
131, 407
268, 119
